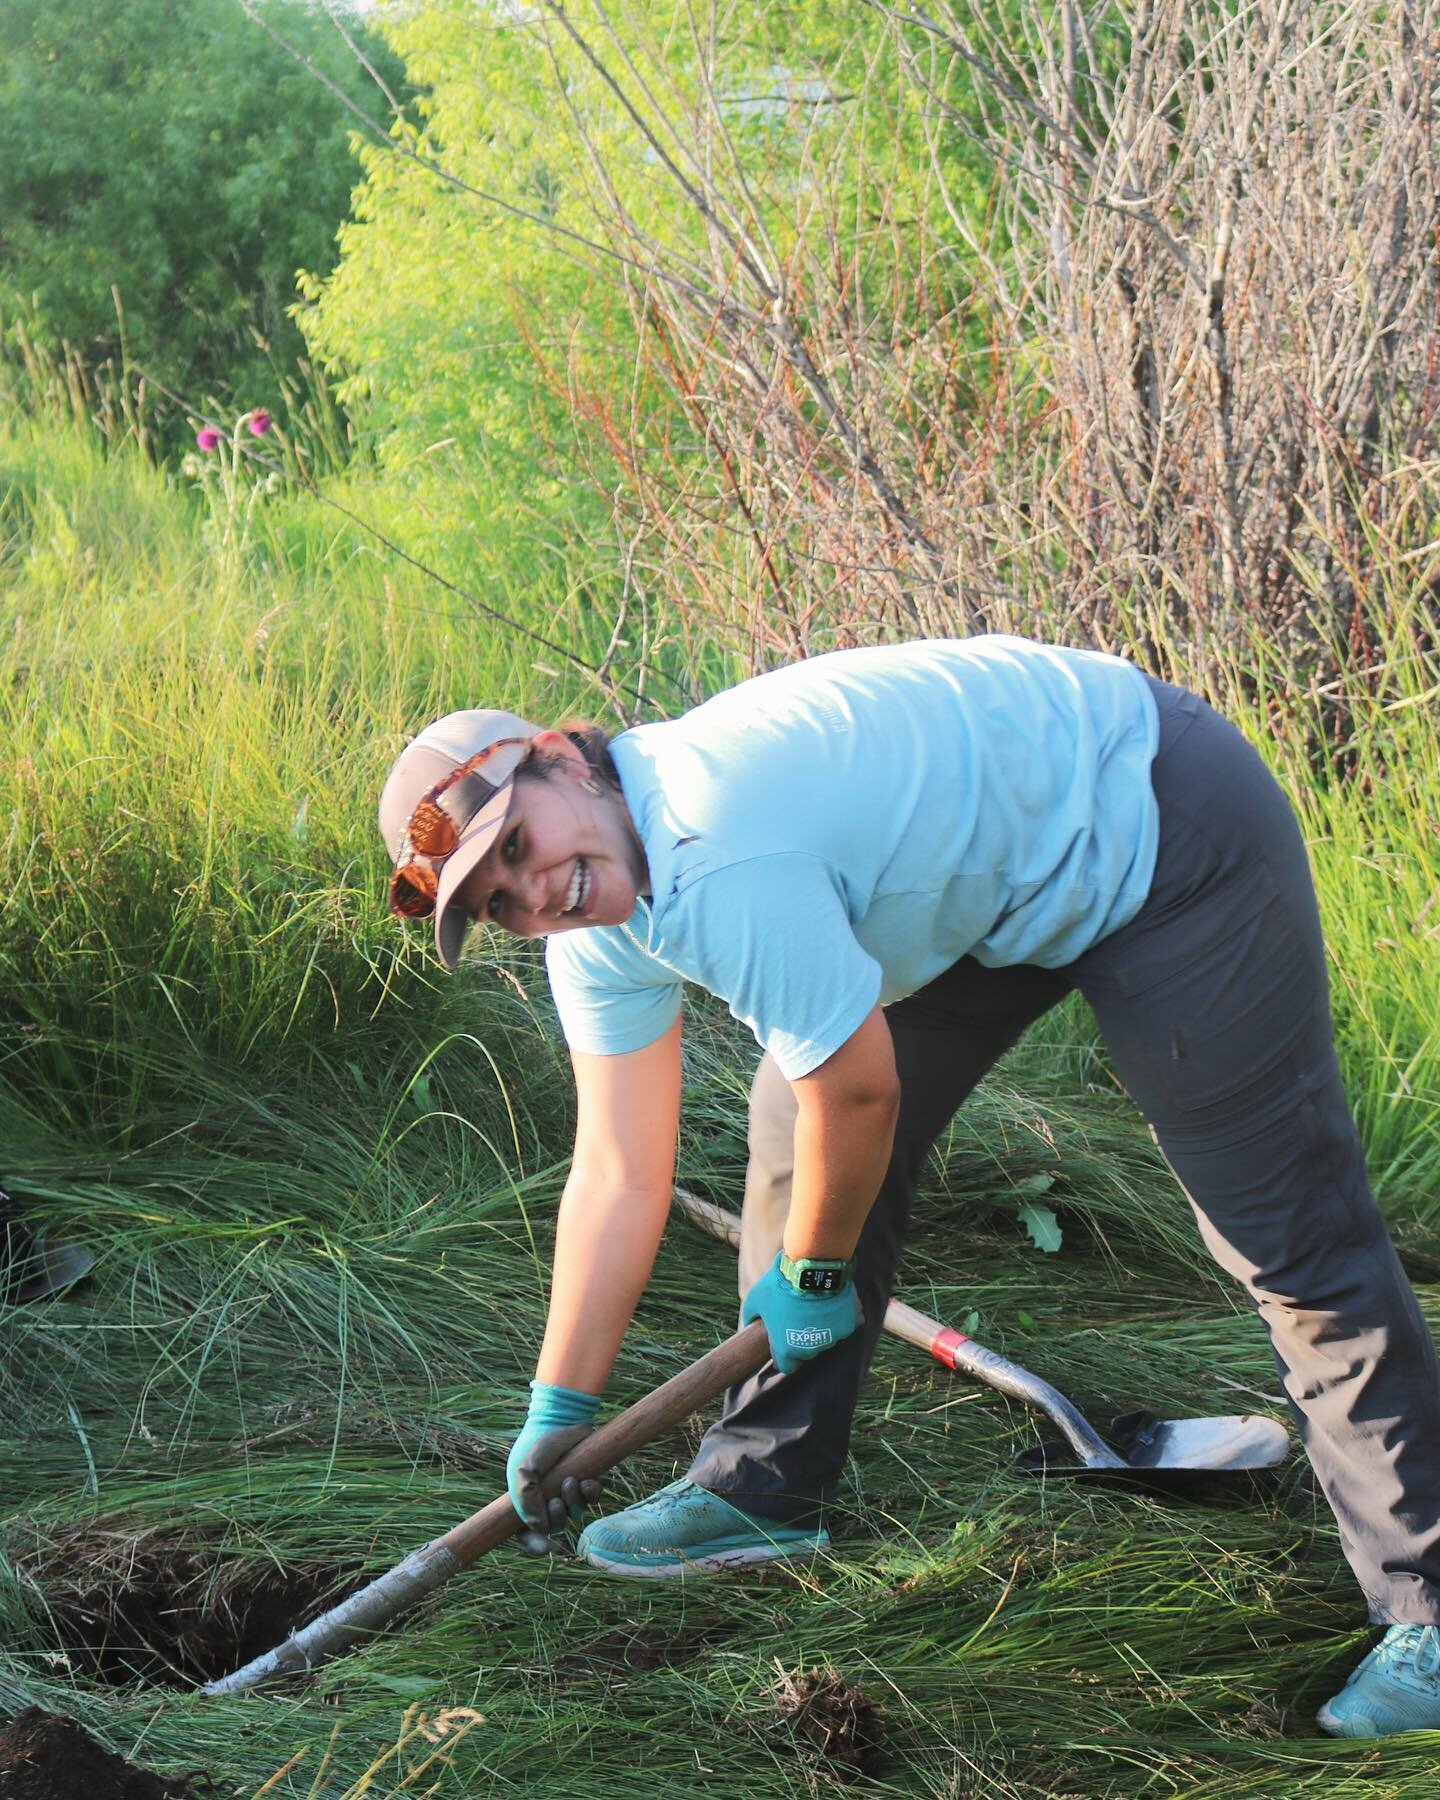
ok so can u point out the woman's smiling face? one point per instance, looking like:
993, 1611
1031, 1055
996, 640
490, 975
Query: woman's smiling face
566, 858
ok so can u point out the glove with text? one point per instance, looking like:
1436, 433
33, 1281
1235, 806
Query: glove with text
801, 1324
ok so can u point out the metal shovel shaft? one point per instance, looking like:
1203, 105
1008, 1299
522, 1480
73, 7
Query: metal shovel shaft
963, 1354
950, 1347
425, 1569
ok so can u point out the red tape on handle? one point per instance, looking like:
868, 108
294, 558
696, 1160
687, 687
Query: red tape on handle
945, 1343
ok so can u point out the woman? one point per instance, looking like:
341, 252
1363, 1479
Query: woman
888, 862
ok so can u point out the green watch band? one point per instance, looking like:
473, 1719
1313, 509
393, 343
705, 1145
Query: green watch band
815, 1275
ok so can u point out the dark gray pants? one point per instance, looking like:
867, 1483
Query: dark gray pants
1214, 1004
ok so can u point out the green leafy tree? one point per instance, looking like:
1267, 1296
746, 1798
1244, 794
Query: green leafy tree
170, 152
449, 295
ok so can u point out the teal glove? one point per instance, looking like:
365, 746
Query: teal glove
801, 1324
559, 1417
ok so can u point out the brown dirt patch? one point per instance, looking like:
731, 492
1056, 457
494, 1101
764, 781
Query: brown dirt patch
634, 1646
824, 1714
45, 1757
641, 1649
158, 1608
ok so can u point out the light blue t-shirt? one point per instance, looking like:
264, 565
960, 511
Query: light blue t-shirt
841, 831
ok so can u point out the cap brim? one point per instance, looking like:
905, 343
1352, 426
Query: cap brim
453, 922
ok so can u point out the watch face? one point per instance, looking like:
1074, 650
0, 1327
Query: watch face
821, 1281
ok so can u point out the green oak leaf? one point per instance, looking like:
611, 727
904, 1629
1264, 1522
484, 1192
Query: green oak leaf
1042, 1225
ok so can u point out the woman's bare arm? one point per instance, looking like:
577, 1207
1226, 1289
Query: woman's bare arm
844, 1130
613, 1209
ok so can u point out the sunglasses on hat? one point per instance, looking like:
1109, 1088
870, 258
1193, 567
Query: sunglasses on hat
434, 831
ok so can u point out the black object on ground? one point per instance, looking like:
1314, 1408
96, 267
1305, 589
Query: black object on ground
31, 1268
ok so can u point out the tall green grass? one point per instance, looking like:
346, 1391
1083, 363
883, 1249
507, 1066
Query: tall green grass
198, 711
320, 1181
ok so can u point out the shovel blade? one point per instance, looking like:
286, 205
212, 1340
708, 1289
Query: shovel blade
1176, 1454
1236, 1441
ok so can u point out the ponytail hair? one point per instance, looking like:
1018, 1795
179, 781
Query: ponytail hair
593, 743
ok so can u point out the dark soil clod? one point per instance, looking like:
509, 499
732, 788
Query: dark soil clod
45, 1757
826, 1714
162, 1609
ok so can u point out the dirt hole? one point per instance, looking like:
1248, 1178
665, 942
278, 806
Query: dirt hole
823, 1713
45, 1757
163, 1609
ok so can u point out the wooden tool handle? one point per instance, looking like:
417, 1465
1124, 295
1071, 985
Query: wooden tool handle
424, 1570
638, 1425
709, 1217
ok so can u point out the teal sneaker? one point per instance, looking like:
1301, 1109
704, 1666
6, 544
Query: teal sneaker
686, 1530
1396, 1688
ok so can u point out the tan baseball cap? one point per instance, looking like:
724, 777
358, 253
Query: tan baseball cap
476, 803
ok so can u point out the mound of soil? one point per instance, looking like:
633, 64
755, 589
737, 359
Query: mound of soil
833, 1720
45, 1757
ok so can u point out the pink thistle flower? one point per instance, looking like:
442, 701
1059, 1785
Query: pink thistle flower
207, 437
259, 422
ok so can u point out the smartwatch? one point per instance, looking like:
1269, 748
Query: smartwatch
814, 1275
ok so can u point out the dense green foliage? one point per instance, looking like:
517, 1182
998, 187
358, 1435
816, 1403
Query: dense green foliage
169, 153
225, 890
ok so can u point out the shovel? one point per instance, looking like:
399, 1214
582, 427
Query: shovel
425, 1569
1175, 1454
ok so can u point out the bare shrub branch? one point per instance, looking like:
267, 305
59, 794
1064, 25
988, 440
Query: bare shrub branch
1176, 373
1168, 369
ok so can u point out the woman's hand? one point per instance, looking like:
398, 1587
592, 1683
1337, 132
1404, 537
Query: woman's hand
802, 1324
559, 1418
